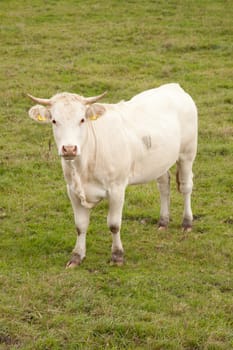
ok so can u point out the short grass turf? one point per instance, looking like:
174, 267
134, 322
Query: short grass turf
175, 290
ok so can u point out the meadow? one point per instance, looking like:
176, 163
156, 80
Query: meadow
175, 290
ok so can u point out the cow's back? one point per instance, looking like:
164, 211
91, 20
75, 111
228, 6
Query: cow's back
165, 105
143, 137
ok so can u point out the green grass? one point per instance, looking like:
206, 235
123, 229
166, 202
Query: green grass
175, 290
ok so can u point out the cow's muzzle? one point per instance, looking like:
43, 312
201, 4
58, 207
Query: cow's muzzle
69, 152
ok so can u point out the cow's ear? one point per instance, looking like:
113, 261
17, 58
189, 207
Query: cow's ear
40, 114
95, 111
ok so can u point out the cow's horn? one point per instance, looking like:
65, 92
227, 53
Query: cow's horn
90, 100
43, 101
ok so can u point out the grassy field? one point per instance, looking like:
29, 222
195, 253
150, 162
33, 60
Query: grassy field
175, 290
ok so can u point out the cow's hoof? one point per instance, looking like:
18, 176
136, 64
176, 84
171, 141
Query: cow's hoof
162, 228
187, 225
163, 224
74, 261
187, 228
117, 258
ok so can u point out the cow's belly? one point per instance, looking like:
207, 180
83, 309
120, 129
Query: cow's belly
153, 165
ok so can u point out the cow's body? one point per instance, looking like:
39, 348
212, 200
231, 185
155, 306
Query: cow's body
132, 142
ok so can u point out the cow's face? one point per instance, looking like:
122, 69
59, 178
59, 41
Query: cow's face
68, 121
68, 115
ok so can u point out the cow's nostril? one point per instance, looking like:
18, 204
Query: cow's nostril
64, 150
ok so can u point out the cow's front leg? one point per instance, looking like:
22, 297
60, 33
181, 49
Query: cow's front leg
81, 217
163, 183
116, 201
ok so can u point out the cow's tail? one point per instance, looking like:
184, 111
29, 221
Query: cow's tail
177, 179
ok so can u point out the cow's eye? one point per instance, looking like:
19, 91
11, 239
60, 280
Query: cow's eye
54, 121
82, 121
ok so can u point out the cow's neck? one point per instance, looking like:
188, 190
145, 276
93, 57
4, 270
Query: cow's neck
85, 163
81, 171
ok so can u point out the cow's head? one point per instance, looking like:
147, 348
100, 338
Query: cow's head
68, 114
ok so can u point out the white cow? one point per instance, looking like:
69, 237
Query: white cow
106, 147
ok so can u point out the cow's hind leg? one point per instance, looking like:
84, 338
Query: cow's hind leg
184, 178
116, 202
163, 183
81, 217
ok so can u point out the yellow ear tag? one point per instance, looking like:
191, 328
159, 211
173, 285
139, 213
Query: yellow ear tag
94, 117
40, 118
